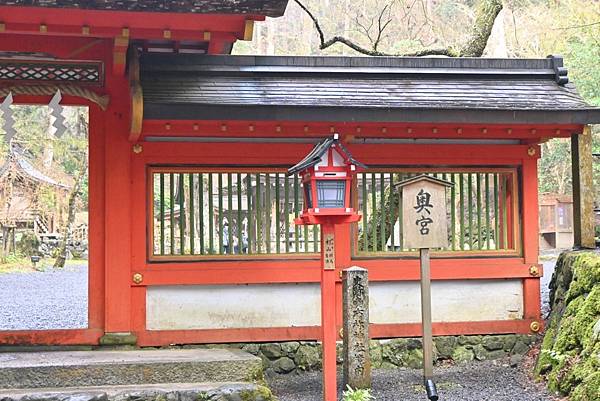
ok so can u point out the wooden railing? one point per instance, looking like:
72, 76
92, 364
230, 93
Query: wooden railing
197, 213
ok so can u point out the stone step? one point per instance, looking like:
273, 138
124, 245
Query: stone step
148, 392
104, 368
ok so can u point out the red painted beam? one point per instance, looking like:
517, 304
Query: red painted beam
51, 337
110, 23
163, 337
280, 129
307, 271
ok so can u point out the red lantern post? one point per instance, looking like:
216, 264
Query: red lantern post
327, 173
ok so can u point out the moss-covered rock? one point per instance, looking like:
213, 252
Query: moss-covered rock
308, 357
570, 354
463, 354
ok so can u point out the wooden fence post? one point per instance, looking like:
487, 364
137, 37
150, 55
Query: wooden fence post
583, 189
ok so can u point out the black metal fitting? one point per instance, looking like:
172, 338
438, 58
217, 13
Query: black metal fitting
431, 390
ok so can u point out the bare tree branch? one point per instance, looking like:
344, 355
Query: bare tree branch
577, 26
486, 14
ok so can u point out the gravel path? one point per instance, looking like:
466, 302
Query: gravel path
477, 381
549, 266
53, 299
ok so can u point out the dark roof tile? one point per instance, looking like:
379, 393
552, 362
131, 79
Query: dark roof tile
361, 89
271, 8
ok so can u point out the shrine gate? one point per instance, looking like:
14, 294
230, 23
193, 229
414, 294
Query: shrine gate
191, 213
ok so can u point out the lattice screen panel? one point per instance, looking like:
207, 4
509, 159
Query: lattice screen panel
90, 73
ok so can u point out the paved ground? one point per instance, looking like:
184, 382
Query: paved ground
53, 299
544, 282
477, 381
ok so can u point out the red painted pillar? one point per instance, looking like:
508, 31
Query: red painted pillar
117, 207
328, 307
531, 286
96, 219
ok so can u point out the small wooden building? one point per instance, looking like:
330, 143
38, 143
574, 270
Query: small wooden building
556, 221
188, 153
21, 187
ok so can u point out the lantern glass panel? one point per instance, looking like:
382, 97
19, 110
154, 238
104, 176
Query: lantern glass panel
331, 193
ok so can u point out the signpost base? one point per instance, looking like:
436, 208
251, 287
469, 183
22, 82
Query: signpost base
426, 314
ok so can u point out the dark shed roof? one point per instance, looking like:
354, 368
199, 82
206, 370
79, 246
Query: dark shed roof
271, 8
465, 90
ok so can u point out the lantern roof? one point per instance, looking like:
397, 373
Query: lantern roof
424, 177
316, 154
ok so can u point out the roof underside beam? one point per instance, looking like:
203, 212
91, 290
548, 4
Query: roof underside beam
158, 111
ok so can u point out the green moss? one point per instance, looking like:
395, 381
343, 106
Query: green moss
589, 390
570, 354
203, 396
586, 275
261, 393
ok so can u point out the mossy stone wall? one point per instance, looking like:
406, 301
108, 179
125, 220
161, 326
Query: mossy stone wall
570, 355
299, 356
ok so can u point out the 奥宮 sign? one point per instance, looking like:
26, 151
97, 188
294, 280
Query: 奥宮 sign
424, 219
425, 226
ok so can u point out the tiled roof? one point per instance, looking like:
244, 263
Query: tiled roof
271, 8
362, 89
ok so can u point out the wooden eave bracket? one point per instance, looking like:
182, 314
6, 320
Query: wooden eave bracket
249, 30
120, 47
137, 95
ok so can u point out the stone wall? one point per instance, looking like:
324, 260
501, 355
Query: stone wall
570, 356
290, 357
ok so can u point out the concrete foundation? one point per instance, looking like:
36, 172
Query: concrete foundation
103, 368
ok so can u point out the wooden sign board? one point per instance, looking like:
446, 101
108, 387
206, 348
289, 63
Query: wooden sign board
424, 220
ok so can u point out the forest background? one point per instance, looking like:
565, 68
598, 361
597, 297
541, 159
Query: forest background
524, 29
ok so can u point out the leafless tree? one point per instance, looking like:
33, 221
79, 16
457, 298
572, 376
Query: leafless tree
487, 11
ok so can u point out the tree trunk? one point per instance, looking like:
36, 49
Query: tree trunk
68, 229
378, 221
48, 151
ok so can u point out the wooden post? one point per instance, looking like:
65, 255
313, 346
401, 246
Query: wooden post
426, 314
328, 326
583, 193
425, 226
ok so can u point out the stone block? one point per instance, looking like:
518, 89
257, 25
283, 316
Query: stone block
520, 348
509, 342
271, 350
99, 368
308, 357
445, 346
283, 365
290, 348
375, 350
112, 339
493, 343
253, 349
463, 354
469, 340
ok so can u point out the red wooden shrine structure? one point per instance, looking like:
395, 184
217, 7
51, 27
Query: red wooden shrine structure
191, 216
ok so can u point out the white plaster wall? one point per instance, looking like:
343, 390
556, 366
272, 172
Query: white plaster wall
290, 305
232, 306
452, 301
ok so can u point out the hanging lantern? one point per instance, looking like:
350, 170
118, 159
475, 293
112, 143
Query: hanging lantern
327, 173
